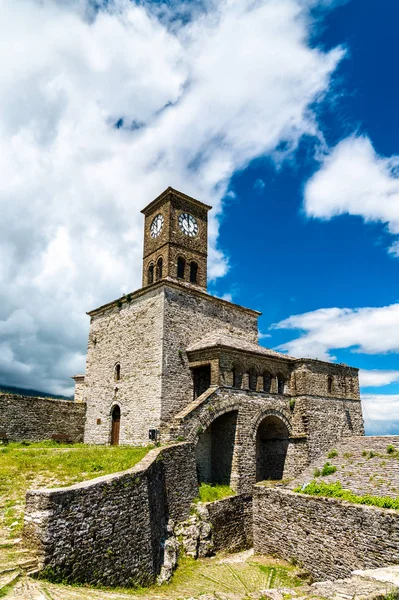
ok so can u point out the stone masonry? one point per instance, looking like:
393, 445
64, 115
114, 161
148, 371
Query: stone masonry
112, 530
24, 418
171, 362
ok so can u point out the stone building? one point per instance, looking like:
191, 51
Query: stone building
171, 362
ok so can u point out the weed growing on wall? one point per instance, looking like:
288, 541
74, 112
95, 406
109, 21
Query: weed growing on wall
335, 490
328, 469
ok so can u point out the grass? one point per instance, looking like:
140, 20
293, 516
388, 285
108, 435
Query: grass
335, 490
221, 576
332, 454
210, 493
48, 464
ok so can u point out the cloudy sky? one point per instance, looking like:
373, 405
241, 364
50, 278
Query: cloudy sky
282, 114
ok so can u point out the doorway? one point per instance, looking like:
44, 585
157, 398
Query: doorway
115, 427
272, 441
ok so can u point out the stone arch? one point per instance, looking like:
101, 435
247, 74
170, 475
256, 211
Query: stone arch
267, 378
271, 412
216, 448
272, 441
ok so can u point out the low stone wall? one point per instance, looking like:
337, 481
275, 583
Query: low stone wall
26, 418
231, 520
111, 530
329, 537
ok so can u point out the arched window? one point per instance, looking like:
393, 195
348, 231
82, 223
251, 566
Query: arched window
159, 269
329, 384
267, 381
181, 265
151, 274
253, 377
236, 377
117, 372
193, 272
280, 384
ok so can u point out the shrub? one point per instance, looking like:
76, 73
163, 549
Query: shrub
364, 453
328, 469
292, 404
332, 454
390, 449
317, 472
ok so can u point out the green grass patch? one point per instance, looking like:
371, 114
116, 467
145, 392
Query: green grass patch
49, 464
210, 493
335, 490
332, 454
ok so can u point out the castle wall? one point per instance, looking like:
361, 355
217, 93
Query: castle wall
131, 335
188, 318
110, 530
231, 520
25, 418
328, 537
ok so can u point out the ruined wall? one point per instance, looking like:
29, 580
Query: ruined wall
35, 419
328, 537
190, 316
130, 335
231, 520
110, 530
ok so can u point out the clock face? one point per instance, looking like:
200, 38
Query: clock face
188, 224
156, 226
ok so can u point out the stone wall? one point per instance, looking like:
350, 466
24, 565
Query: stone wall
129, 335
231, 521
36, 419
111, 530
188, 317
328, 537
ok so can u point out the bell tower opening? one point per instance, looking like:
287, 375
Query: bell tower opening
175, 239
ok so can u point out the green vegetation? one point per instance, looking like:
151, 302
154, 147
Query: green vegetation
390, 449
292, 404
316, 472
335, 490
332, 454
394, 595
210, 493
328, 469
49, 464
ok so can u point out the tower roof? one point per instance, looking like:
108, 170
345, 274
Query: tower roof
169, 190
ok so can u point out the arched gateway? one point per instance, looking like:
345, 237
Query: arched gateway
215, 450
272, 439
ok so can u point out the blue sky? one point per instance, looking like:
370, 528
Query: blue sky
282, 114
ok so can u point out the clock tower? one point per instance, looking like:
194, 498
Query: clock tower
175, 239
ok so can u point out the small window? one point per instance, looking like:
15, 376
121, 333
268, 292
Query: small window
181, 266
193, 272
150, 274
267, 382
159, 269
329, 384
253, 378
236, 378
280, 384
117, 373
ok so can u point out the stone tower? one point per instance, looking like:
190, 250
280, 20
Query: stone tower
175, 239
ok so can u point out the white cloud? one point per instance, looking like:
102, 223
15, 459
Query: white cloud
198, 100
381, 414
376, 377
367, 330
355, 180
